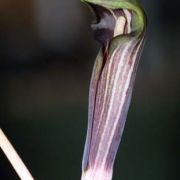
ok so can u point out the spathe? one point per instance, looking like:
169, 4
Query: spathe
121, 33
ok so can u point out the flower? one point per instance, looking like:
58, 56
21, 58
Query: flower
120, 29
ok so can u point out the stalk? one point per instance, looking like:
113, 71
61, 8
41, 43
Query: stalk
14, 158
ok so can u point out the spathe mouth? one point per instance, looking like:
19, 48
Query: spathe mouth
103, 29
109, 24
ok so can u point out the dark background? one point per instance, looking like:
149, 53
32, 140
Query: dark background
46, 57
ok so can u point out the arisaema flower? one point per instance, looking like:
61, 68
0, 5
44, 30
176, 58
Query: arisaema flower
120, 28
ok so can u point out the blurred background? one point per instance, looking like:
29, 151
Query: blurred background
46, 56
